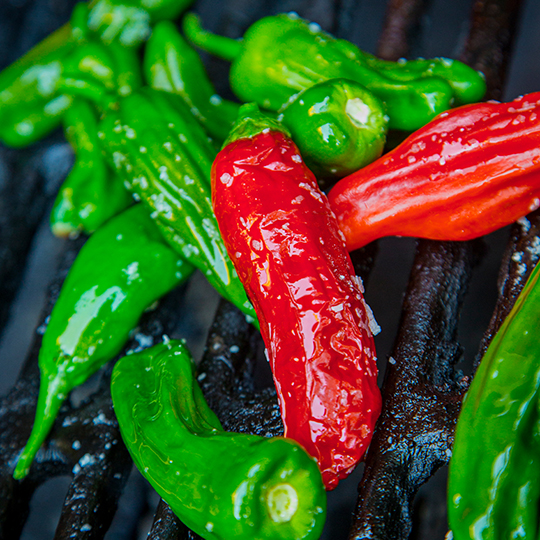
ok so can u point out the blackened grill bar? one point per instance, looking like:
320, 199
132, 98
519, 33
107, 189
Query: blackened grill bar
422, 393
421, 396
421, 388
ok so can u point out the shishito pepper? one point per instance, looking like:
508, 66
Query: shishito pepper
338, 125
95, 71
467, 173
37, 89
164, 157
282, 55
123, 268
29, 106
221, 485
172, 65
494, 479
291, 257
90, 195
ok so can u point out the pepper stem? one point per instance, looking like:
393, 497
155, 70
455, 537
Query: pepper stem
51, 397
220, 46
251, 121
282, 501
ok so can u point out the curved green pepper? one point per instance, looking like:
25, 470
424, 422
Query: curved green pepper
338, 125
90, 195
221, 485
282, 55
494, 480
172, 65
123, 268
164, 156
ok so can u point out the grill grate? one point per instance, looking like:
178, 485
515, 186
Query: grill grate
422, 390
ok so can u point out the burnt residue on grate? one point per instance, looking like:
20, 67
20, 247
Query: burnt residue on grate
423, 384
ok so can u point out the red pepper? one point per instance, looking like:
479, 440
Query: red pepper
467, 173
290, 255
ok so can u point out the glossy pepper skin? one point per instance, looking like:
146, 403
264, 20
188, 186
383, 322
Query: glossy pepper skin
172, 65
494, 481
338, 125
164, 157
282, 55
90, 195
123, 268
291, 257
221, 485
467, 173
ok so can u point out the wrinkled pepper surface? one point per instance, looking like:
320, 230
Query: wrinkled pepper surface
291, 257
90, 195
282, 55
221, 485
123, 268
467, 173
172, 65
494, 479
338, 125
164, 157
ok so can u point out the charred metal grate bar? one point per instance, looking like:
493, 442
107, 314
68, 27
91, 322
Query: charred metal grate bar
422, 389
422, 393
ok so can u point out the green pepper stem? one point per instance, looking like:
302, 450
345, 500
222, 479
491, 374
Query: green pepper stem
51, 397
251, 121
282, 502
220, 46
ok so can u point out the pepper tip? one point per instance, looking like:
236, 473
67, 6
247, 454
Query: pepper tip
23, 465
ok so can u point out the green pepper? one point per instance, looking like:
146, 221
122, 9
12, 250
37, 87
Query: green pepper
494, 479
37, 90
468, 85
172, 65
282, 55
130, 21
338, 125
123, 268
30, 107
97, 71
91, 194
164, 157
221, 485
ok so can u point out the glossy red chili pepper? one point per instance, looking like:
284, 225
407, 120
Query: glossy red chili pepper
467, 173
290, 255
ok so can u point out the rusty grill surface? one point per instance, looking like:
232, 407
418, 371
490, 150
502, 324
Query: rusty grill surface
423, 381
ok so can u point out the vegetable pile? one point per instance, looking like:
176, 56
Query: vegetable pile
170, 178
